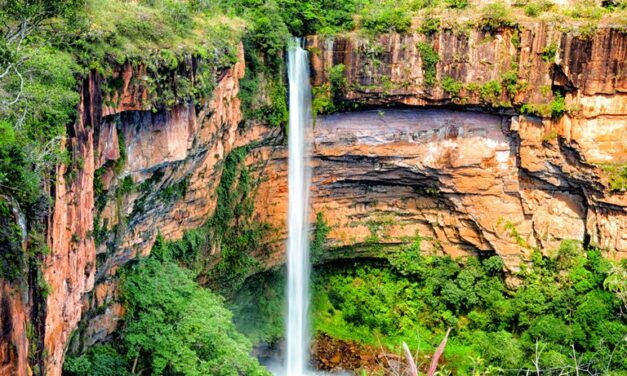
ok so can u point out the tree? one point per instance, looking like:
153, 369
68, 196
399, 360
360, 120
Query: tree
173, 326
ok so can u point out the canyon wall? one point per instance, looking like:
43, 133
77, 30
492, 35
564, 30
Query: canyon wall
464, 169
467, 181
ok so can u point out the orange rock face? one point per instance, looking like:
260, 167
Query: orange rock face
463, 181
466, 187
70, 268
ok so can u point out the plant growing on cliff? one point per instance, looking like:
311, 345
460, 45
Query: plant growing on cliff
452, 86
430, 59
617, 176
549, 52
512, 83
430, 26
385, 16
494, 16
457, 4
490, 92
554, 109
321, 230
230, 229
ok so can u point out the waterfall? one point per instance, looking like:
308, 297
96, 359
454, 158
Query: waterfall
299, 176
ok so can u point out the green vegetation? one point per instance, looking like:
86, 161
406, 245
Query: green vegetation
586, 9
318, 16
536, 8
321, 230
457, 4
259, 307
617, 176
230, 229
511, 82
549, 52
430, 26
555, 109
11, 257
560, 308
328, 97
172, 327
494, 16
430, 60
385, 18
452, 86
490, 92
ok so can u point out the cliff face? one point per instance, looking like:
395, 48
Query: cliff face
156, 173
530, 65
458, 167
467, 181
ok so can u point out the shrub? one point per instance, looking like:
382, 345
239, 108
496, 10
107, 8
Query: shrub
617, 176
318, 16
100, 360
321, 230
534, 9
174, 325
457, 4
385, 18
560, 305
549, 52
558, 106
430, 60
322, 100
430, 26
511, 82
490, 92
586, 9
452, 86
494, 16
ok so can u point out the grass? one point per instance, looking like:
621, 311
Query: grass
127, 30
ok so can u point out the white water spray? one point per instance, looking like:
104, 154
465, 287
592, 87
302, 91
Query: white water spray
299, 177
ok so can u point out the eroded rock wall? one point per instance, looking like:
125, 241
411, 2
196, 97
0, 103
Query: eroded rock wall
158, 171
591, 72
458, 179
506, 186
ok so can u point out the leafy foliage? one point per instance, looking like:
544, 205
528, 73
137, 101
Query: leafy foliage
259, 307
318, 16
617, 176
230, 229
560, 305
494, 16
100, 360
457, 4
430, 26
490, 92
328, 97
386, 17
430, 59
452, 86
321, 230
172, 327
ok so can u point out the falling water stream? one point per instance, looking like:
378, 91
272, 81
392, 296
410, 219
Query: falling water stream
299, 176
